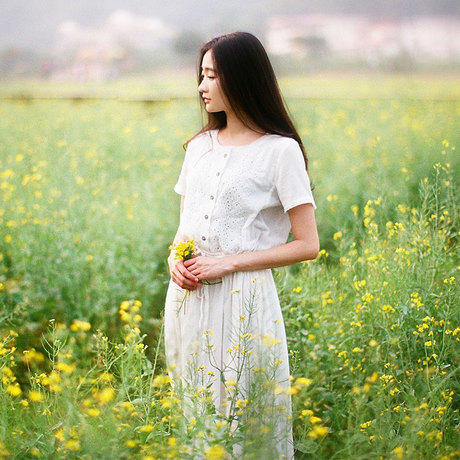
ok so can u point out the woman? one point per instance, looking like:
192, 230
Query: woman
243, 186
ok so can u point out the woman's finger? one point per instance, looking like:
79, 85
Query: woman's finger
187, 280
183, 282
194, 270
187, 273
190, 262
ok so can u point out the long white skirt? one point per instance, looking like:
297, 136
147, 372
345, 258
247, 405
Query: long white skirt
233, 333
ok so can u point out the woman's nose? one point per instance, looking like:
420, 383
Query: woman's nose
202, 88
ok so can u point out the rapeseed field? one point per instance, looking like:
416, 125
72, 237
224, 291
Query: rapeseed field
87, 213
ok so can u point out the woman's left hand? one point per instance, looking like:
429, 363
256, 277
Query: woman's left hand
208, 268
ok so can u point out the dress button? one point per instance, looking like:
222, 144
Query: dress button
206, 216
218, 174
212, 197
203, 238
225, 155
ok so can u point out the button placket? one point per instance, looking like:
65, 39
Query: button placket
215, 181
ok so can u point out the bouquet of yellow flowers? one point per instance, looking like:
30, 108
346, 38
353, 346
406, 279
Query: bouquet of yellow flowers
185, 250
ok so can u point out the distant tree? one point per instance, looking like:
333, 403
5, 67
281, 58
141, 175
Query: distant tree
313, 46
188, 42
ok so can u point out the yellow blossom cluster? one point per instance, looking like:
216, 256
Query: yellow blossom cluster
78, 325
129, 311
183, 250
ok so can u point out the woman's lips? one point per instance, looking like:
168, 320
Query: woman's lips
206, 100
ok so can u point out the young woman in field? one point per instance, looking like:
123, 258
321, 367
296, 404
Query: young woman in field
243, 186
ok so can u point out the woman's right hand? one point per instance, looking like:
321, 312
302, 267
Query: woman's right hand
181, 276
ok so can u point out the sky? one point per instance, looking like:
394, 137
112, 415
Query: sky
33, 23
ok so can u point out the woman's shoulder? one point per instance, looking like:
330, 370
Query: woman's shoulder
280, 144
199, 141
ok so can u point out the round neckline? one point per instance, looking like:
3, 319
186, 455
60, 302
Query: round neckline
215, 133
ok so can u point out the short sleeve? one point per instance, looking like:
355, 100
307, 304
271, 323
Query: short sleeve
291, 179
181, 184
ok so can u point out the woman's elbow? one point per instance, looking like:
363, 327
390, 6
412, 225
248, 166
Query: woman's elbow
314, 251
310, 250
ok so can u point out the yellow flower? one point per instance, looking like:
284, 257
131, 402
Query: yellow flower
4, 452
304, 381
33, 356
106, 377
94, 412
105, 395
318, 431
167, 403
6, 370
183, 250
161, 380
137, 318
216, 452
78, 325
59, 435
398, 452
72, 444
35, 396
14, 390
337, 236
146, 428
130, 443
125, 317
172, 441
67, 368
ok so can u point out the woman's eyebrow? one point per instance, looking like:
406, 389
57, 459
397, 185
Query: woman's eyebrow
208, 68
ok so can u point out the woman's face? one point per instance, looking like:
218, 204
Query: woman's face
210, 89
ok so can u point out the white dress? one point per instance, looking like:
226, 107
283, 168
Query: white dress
236, 199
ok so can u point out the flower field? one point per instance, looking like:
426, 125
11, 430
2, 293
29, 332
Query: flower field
87, 213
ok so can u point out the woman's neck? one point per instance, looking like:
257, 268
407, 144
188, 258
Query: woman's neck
238, 133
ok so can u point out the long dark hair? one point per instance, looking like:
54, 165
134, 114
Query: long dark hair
249, 83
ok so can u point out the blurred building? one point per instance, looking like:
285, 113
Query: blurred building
363, 38
103, 52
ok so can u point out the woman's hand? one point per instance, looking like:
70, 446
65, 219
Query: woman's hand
208, 268
181, 275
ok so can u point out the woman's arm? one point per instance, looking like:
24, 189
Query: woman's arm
179, 273
305, 246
